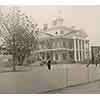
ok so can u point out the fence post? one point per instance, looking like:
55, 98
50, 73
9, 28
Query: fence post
95, 73
88, 72
67, 76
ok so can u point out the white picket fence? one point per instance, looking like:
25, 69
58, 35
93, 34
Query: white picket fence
68, 75
40, 79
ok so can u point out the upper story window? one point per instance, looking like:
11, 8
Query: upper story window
71, 43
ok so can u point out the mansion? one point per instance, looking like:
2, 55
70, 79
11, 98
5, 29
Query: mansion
61, 43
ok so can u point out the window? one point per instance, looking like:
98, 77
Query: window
61, 32
71, 43
64, 56
64, 43
56, 56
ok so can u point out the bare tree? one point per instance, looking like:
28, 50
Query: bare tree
18, 32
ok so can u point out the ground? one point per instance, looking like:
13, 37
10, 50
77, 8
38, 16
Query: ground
38, 79
31, 80
89, 88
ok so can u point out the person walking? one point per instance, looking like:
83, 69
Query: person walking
88, 62
96, 61
49, 64
99, 59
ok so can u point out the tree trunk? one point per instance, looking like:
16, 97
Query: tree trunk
14, 54
14, 63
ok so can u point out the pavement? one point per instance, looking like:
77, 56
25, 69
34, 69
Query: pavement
38, 79
32, 80
89, 88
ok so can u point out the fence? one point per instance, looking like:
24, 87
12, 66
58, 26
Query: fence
40, 79
67, 75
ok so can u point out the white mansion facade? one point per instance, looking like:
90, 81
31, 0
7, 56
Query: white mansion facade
60, 43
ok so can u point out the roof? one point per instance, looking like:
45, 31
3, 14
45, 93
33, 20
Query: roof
51, 32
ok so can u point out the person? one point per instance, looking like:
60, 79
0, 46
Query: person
49, 64
99, 59
96, 61
88, 62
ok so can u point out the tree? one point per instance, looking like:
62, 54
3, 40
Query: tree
18, 32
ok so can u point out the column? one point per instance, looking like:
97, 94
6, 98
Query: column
54, 56
89, 50
84, 49
81, 50
78, 51
75, 56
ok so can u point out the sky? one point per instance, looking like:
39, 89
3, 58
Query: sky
83, 17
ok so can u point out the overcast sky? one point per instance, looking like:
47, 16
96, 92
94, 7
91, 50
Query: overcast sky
84, 17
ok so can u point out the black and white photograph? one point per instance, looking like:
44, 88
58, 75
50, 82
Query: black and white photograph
49, 49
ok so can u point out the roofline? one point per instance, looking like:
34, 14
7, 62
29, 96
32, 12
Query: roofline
59, 27
46, 38
57, 49
71, 31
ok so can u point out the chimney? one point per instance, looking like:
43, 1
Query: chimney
45, 27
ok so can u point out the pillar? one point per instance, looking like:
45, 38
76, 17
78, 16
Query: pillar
82, 50
75, 56
54, 56
85, 49
78, 51
89, 50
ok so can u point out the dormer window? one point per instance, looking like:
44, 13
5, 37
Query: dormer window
61, 32
45, 27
